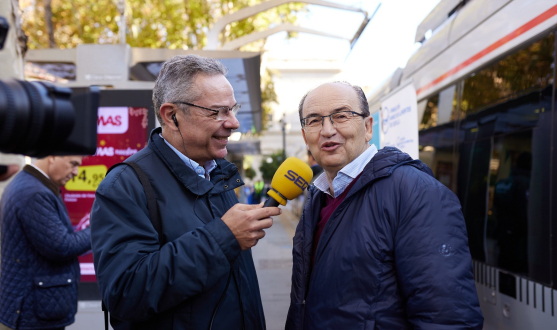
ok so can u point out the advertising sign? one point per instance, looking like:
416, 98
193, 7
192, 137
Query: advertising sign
399, 119
122, 131
376, 137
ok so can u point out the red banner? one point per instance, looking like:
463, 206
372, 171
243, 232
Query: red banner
122, 131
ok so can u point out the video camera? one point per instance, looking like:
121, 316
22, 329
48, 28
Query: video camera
39, 119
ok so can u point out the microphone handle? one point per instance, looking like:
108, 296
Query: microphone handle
271, 202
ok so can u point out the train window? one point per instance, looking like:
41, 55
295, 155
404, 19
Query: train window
509, 189
472, 187
517, 236
529, 68
430, 113
437, 152
440, 108
447, 105
506, 204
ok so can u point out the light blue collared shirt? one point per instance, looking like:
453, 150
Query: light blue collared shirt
202, 171
347, 174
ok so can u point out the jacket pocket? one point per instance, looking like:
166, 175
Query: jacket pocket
55, 297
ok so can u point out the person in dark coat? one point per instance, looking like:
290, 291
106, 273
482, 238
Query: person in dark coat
380, 244
201, 275
316, 169
40, 269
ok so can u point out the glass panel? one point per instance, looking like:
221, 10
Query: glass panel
447, 105
513, 235
529, 68
421, 109
430, 113
505, 203
507, 225
437, 152
55, 72
472, 189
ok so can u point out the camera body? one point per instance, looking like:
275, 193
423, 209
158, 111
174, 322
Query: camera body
39, 119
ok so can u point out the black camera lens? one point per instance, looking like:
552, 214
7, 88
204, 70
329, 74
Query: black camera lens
4, 28
35, 117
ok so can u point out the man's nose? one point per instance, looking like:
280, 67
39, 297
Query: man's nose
328, 127
75, 171
231, 122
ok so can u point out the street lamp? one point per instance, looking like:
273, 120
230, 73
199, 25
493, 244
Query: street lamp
285, 126
121, 6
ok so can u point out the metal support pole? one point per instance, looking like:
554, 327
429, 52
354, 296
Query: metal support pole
121, 5
283, 123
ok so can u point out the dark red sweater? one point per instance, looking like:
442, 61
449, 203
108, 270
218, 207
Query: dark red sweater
331, 205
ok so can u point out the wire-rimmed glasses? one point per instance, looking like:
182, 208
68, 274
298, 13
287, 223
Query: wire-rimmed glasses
223, 113
338, 119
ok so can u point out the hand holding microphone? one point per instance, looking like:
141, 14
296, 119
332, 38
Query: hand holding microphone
247, 222
290, 181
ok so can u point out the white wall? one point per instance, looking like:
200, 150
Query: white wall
293, 79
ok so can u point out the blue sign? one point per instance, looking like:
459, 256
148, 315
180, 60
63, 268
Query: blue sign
376, 137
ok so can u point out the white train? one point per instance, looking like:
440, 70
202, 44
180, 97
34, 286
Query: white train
485, 85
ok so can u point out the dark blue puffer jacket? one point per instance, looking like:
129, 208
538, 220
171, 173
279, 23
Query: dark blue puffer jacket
40, 270
393, 255
179, 285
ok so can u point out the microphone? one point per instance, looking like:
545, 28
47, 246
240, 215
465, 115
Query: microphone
289, 181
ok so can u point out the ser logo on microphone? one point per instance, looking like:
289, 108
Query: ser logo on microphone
297, 179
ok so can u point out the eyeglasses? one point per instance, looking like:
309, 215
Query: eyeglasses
223, 113
338, 119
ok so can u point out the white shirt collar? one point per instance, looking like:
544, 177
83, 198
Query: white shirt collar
202, 171
38, 169
347, 174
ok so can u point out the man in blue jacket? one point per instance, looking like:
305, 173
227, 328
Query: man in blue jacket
40, 269
381, 244
201, 275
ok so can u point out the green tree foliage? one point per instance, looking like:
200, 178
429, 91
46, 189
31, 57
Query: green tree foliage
249, 173
172, 24
529, 68
268, 168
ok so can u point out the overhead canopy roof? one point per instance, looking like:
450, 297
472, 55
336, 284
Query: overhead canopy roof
107, 65
243, 75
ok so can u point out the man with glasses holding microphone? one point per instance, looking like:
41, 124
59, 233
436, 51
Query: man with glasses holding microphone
381, 244
198, 273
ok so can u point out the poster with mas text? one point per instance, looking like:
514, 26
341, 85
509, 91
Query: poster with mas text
122, 131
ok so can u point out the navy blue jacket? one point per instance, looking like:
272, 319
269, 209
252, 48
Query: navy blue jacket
393, 255
40, 270
178, 285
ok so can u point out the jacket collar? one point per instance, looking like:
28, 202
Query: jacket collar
43, 179
381, 165
183, 173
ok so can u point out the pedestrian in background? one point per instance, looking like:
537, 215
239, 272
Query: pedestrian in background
381, 244
40, 269
315, 168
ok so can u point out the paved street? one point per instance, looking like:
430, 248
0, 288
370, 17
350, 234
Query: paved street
273, 261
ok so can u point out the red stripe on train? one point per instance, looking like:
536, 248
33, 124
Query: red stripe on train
521, 30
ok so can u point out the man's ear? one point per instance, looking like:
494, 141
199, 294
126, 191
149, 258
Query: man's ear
369, 128
166, 112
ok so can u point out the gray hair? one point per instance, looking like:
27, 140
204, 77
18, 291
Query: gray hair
175, 80
364, 106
